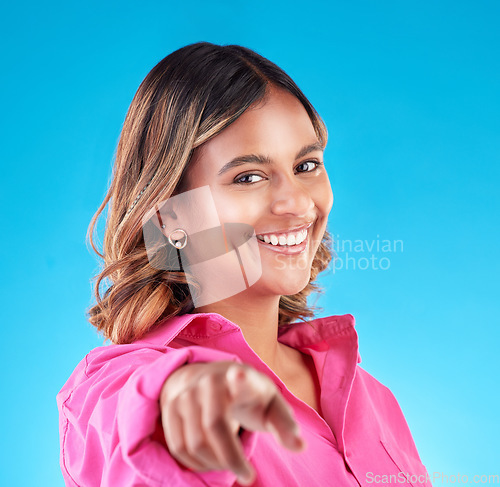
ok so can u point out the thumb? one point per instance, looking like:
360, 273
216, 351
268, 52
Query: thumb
247, 387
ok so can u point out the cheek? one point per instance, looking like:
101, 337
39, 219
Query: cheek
323, 198
234, 209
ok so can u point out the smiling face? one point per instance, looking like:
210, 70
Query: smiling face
266, 170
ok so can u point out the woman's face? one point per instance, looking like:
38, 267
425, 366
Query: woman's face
276, 183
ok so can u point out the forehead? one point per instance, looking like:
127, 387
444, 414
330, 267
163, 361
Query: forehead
276, 127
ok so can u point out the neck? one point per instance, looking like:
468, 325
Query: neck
258, 320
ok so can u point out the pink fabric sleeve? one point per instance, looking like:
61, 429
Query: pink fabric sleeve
110, 419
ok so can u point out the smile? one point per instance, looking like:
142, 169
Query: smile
298, 242
287, 239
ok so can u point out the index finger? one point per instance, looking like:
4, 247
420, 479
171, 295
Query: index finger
260, 406
280, 421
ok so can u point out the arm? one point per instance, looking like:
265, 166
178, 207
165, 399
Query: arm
110, 417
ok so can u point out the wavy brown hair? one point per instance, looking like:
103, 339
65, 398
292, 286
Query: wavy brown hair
189, 97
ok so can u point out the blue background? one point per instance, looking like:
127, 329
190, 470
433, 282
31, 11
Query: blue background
410, 93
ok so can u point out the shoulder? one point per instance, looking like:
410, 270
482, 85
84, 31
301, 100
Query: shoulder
374, 388
378, 395
122, 359
144, 363
381, 409
109, 358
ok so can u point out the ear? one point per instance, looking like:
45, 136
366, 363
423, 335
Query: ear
165, 214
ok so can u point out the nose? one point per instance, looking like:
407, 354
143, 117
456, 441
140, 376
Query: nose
292, 197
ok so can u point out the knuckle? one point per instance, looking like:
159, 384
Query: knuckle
199, 448
173, 404
207, 381
188, 405
216, 425
184, 400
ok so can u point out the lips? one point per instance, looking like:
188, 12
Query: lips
286, 249
286, 231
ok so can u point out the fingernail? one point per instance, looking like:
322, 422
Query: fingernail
296, 440
299, 442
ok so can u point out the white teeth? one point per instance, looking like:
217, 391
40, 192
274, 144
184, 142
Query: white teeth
290, 239
301, 236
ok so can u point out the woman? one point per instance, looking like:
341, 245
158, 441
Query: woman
216, 231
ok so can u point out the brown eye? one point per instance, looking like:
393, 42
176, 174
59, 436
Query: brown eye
310, 166
241, 179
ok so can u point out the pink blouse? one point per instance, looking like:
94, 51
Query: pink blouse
111, 434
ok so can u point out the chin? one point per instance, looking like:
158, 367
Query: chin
288, 285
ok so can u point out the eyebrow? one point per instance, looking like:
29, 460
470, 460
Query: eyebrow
260, 159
